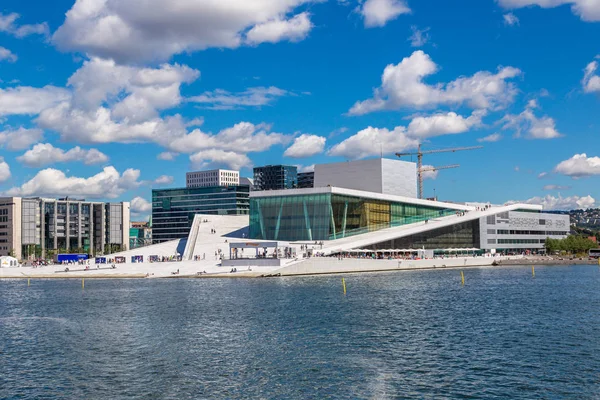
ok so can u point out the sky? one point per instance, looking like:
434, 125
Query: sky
107, 99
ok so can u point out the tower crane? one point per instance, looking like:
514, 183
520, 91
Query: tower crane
420, 168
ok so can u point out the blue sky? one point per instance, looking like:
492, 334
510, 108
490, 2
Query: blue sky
105, 99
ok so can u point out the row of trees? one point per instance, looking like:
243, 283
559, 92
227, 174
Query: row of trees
572, 244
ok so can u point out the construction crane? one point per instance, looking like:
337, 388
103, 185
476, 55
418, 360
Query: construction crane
420, 168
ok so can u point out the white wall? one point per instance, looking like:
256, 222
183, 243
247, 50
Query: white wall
377, 175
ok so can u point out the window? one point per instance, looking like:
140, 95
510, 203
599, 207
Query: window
491, 241
491, 231
491, 220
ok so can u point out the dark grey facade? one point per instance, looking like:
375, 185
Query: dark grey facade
306, 180
275, 177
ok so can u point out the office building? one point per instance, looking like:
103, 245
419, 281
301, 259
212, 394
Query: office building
275, 177
216, 177
306, 180
173, 210
140, 234
377, 175
37, 227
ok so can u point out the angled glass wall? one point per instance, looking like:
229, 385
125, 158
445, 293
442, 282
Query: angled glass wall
329, 216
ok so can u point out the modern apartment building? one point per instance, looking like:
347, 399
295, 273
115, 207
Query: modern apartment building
275, 177
306, 180
33, 227
216, 177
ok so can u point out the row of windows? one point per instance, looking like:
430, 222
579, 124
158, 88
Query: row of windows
525, 232
4, 211
517, 241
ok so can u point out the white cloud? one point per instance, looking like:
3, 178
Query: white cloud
377, 13
588, 10
167, 156
294, 29
20, 139
510, 19
139, 205
561, 203
148, 30
252, 97
419, 37
373, 142
54, 183
556, 187
579, 166
4, 170
306, 146
30, 100
163, 180
494, 137
531, 127
591, 81
43, 154
429, 172
542, 175
443, 124
214, 158
7, 55
402, 86
8, 24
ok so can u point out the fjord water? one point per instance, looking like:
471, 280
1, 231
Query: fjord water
505, 334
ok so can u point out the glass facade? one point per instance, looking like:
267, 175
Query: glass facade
275, 177
173, 210
327, 216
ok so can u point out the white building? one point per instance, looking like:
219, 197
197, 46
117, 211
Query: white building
378, 175
216, 177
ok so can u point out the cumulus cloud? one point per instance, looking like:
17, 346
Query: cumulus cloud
252, 97
402, 86
377, 13
43, 154
294, 29
55, 183
510, 19
419, 37
591, 81
21, 138
139, 205
494, 137
135, 31
7, 55
163, 180
215, 158
373, 142
4, 170
27, 100
8, 24
528, 125
306, 146
443, 124
560, 203
167, 156
588, 10
579, 166
429, 172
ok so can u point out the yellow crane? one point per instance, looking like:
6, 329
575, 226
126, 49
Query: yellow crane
420, 168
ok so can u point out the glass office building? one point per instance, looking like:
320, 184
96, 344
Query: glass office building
275, 177
173, 210
325, 215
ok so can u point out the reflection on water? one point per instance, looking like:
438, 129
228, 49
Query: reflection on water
399, 335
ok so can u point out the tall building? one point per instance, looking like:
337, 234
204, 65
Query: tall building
306, 180
140, 234
173, 210
378, 175
275, 177
34, 227
216, 177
